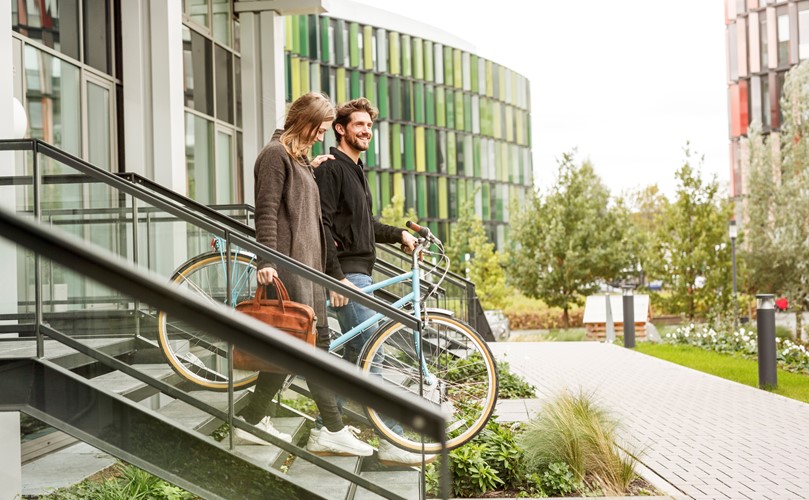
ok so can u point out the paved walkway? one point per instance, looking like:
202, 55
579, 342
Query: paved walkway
706, 436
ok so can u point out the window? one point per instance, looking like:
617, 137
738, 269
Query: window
803, 30
783, 37
762, 31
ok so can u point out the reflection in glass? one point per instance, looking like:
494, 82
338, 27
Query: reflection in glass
54, 24
53, 100
221, 21
97, 39
783, 39
199, 158
198, 11
224, 84
197, 68
224, 177
98, 125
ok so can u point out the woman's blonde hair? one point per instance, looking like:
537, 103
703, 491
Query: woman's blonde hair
304, 118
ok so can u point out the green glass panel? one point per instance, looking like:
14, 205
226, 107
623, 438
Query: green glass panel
303, 33
288, 77
295, 71
459, 114
462, 196
355, 84
454, 198
340, 42
509, 112
450, 109
421, 153
457, 68
396, 98
476, 157
429, 104
384, 188
489, 79
452, 154
473, 69
373, 187
296, 35
410, 148
428, 61
354, 45
305, 84
289, 41
485, 199
421, 195
502, 79
418, 102
340, 85
468, 154
368, 47
443, 198
325, 50
317, 149
407, 100
431, 160
497, 121
394, 55
467, 112
396, 145
407, 62
440, 107
398, 185
370, 88
410, 192
370, 155
432, 193
418, 59
448, 66
314, 44
383, 101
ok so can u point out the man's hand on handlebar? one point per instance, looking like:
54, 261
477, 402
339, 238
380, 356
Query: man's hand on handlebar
409, 242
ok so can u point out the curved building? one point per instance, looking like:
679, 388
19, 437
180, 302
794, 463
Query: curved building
187, 93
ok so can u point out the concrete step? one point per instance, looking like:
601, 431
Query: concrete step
405, 483
324, 483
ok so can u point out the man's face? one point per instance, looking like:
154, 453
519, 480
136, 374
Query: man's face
358, 131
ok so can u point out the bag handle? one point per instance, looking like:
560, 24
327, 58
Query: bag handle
280, 291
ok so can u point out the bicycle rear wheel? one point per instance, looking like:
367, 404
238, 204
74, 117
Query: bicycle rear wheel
463, 377
199, 356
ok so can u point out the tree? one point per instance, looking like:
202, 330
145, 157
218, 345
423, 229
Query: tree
485, 267
569, 239
394, 213
644, 206
691, 246
778, 202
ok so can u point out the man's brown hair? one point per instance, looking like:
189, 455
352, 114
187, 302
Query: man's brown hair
344, 114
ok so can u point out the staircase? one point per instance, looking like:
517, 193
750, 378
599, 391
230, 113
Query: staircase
86, 364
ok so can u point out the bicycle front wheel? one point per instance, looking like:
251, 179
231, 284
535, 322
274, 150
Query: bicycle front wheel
200, 356
458, 374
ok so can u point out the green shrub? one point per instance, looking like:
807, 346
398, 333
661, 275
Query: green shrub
576, 431
783, 333
129, 483
559, 480
513, 386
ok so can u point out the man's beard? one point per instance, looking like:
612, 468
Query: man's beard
355, 143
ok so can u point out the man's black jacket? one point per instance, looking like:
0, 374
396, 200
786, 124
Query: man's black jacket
346, 206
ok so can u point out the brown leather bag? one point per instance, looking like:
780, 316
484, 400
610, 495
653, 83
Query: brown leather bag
290, 317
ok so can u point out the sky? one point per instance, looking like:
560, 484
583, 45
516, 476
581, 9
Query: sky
627, 84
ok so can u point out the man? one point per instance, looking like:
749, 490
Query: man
346, 207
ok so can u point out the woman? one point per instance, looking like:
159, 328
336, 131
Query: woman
288, 220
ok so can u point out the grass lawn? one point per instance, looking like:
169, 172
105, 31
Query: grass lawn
744, 371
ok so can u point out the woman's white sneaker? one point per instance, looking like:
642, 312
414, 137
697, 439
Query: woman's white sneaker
391, 455
341, 443
242, 437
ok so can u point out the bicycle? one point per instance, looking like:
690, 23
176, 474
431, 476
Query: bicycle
449, 364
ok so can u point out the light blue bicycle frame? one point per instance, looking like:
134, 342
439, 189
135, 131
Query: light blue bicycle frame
237, 283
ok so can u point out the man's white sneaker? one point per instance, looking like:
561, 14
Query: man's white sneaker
341, 443
389, 454
241, 437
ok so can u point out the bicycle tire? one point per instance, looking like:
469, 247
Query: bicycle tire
197, 356
465, 388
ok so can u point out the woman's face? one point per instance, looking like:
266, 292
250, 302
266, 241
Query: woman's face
321, 132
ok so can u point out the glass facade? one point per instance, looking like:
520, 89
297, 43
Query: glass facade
765, 38
451, 125
213, 104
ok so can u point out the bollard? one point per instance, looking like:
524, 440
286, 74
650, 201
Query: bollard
629, 317
765, 327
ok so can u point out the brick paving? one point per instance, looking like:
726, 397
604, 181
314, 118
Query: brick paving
707, 437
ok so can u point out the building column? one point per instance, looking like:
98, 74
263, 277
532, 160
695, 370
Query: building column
11, 457
137, 121
263, 92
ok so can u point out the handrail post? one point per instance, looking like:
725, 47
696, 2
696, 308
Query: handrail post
135, 258
37, 183
229, 292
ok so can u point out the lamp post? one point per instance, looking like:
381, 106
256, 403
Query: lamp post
734, 231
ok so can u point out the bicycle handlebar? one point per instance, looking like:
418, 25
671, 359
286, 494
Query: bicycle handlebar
424, 232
